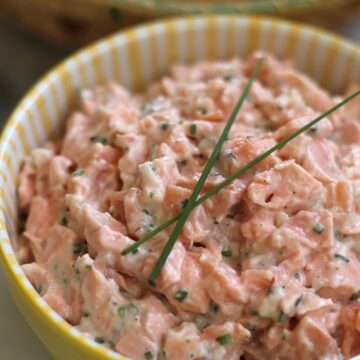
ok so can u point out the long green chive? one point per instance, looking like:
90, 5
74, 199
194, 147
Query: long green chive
232, 177
210, 163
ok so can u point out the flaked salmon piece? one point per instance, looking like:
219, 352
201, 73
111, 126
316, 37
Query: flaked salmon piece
48, 288
352, 109
285, 185
214, 343
320, 161
41, 217
350, 322
238, 152
295, 149
334, 273
135, 150
310, 340
347, 223
304, 232
222, 283
340, 196
260, 225
59, 171
26, 187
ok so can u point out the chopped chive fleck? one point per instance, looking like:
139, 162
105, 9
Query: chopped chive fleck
226, 253
283, 335
224, 339
228, 77
126, 148
64, 221
282, 317
146, 211
342, 258
135, 251
148, 227
183, 163
279, 107
88, 267
355, 296
79, 172
313, 130
272, 289
181, 295
165, 126
148, 355
215, 221
298, 301
86, 314
214, 308
192, 129
184, 202
128, 309
98, 139
254, 312
99, 340
229, 155
77, 248
246, 254
319, 228
203, 110
297, 276
151, 194
38, 288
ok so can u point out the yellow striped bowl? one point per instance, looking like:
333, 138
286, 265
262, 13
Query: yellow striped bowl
134, 58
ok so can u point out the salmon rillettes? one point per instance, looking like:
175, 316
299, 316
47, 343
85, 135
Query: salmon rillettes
268, 268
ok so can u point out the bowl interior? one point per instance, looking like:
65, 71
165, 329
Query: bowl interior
134, 58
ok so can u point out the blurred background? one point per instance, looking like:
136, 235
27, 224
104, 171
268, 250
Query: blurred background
36, 34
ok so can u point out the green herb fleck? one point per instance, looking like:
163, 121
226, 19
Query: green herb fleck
98, 139
146, 211
298, 301
319, 228
88, 267
254, 313
148, 227
355, 296
283, 335
279, 107
165, 126
203, 110
192, 129
213, 308
228, 77
148, 355
38, 289
135, 251
215, 221
224, 339
181, 295
77, 248
272, 289
86, 314
342, 258
128, 309
184, 203
297, 276
282, 317
226, 253
151, 194
79, 172
229, 154
99, 340
64, 221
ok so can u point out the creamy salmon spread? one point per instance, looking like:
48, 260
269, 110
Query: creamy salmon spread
267, 268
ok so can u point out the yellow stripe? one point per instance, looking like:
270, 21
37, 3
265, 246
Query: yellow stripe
171, 42
34, 127
309, 62
211, 35
96, 65
64, 79
80, 68
328, 65
134, 63
115, 60
270, 44
292, 42
230, 37
44, 114
153, 56
190, 40
253, 36
346, 80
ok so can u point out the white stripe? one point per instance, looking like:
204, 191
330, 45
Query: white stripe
339, 68
302, 48
221, 29
240, 38
282, 34
144, 48
85, 59
199, 28
121, 42
181, 42
161, 47
319, 57
103, 50
39, 124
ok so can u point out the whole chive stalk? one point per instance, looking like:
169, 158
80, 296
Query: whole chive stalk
232, 177
200, 183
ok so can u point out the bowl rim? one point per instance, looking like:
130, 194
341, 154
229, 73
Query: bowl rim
39, 87
178, 7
